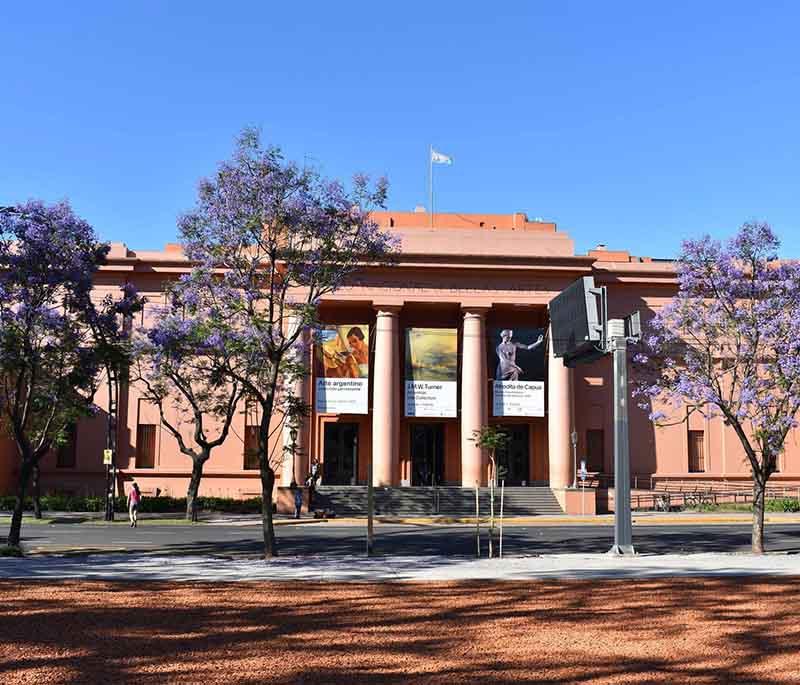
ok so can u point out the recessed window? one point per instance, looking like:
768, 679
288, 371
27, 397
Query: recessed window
595, 449
146, 445
66, 455
251, 427
697, 456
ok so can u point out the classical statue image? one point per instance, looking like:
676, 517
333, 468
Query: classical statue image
507, 369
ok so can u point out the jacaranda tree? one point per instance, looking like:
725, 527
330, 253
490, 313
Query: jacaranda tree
48, 361
181, 364
269, 240
728, 345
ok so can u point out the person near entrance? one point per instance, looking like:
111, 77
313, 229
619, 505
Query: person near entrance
507, 369
298, 501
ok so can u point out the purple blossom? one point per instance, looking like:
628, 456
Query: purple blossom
730, 339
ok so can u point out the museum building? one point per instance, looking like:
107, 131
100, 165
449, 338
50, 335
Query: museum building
415, 357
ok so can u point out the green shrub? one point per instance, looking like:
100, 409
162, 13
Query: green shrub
782, 505
10, 551
148, 505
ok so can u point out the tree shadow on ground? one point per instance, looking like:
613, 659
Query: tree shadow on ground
665, 631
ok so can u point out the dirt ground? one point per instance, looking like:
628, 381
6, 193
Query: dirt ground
655, 631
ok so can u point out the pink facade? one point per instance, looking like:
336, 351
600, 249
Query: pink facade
470, 274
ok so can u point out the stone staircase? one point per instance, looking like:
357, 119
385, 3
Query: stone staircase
351, 500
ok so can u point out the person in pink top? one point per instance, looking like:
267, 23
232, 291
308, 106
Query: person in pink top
134, 497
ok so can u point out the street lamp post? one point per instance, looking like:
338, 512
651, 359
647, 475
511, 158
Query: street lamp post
574, 440
293, 447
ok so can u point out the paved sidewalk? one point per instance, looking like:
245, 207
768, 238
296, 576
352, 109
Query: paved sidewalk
395, 568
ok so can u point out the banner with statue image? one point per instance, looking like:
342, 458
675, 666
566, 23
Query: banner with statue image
431, 372
342, 385
516, 362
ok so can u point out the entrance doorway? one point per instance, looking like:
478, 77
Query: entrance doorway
515, 456
341, 454
427, 453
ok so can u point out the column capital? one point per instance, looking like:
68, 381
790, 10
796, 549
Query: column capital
387, 309
475, 310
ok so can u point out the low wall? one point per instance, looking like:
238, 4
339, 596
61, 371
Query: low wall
577, 501
284, 500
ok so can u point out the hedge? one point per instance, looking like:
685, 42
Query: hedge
149, 505
782, 505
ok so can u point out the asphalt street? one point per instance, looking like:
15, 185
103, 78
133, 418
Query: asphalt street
410, 540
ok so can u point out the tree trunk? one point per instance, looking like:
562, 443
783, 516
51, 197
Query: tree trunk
267, 484
36, 492
194, 486
757, 540
19, 505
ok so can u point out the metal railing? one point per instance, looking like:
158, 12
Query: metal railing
664, 495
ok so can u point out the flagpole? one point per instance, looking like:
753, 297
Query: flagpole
430, 182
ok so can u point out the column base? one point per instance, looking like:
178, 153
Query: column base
621, 551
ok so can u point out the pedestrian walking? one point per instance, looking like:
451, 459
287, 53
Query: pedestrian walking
134, 497
298, 501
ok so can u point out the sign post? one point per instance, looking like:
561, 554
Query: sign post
574, 440
618, 343
370, 510
582, 474
582, 333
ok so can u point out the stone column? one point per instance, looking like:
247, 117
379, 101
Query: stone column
559, 420
300, 388
473, 396
386, 397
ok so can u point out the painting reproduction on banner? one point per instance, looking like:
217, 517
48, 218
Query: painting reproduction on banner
342, 385
516, 360
431, 372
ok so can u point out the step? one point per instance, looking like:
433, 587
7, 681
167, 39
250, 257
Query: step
351, 500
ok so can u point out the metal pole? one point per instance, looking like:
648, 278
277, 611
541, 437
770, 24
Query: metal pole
623, 542
111, 439
574, 438
478, 518
491, 517
583, 492
502, 493
430, 182
370, 509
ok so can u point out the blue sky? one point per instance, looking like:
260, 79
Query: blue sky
634, 124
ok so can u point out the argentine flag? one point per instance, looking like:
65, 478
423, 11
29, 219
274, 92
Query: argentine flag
439, 158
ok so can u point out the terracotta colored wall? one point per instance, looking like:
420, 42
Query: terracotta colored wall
505, 262
8, 462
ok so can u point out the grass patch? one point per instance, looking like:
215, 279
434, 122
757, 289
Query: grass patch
26, 521
120, 519
142, 522
10, 551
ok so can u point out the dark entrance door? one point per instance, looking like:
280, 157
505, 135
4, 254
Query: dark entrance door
515, 456
340, 457
427, 453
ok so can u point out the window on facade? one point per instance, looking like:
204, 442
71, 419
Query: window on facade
595, 449
146, 445
66, 453
697, 457
251, 436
